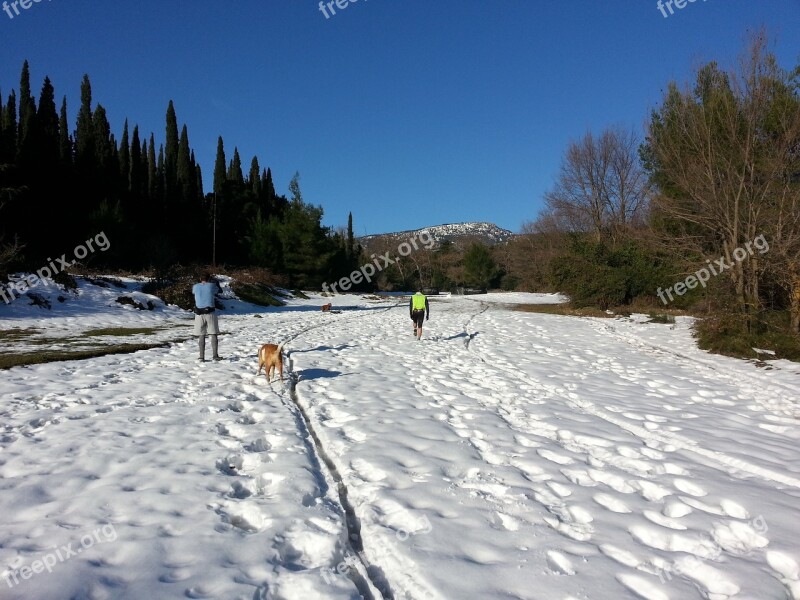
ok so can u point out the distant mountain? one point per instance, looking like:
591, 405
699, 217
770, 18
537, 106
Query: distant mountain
460, 234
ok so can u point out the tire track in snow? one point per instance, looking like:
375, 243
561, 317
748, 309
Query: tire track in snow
369, 579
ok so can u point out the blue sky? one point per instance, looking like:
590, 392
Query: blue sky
406, 112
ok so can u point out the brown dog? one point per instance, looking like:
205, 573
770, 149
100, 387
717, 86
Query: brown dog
270, 357
327, 307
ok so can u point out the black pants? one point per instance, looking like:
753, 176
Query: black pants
418, 316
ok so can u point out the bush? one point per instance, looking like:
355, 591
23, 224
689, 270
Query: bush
173, 286
596, 274
729, 334
661, 318
260, 294
130, 301
66, 281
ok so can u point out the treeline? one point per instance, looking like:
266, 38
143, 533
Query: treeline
703, 213
59, 185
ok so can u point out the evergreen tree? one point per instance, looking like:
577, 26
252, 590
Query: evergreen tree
27, 114
185, 172
160, 185
125, 154
235, 175
220, 176
171, 157
107, 168
294, 188
84, 134
199, 184
479, 266
64, 139
350, 249
152, 171
135, 175
10, 129
269, 186
48, 129
254, 177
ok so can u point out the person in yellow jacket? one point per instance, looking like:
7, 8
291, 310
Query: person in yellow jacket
420, 311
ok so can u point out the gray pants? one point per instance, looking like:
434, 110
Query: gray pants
214, 346
207, 325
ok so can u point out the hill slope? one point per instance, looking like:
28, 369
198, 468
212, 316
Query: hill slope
460, 234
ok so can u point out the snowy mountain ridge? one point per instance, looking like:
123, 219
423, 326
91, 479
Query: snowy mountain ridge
487, 233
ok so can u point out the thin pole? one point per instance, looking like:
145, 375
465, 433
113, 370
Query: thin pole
214, 243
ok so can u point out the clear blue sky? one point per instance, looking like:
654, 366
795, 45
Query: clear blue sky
406, 112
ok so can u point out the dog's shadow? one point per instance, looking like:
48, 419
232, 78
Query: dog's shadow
309, 374
321, 349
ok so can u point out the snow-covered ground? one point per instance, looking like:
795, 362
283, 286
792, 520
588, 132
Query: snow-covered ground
506, 455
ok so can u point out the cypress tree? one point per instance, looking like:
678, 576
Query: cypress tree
135, 176
48, 128
27, 136
10, 129
254, 178
160, 183
2, 128
64, 141
125, 154
235, 174
104, 152
199, 184
220, 176
171, 156
84, 134
152, 172
184, 171
269, 186
27, 110
350, 237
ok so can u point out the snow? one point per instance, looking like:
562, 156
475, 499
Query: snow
506, 455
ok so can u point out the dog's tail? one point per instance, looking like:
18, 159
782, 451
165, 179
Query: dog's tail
280, 347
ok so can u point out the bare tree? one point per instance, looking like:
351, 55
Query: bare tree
601, 188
